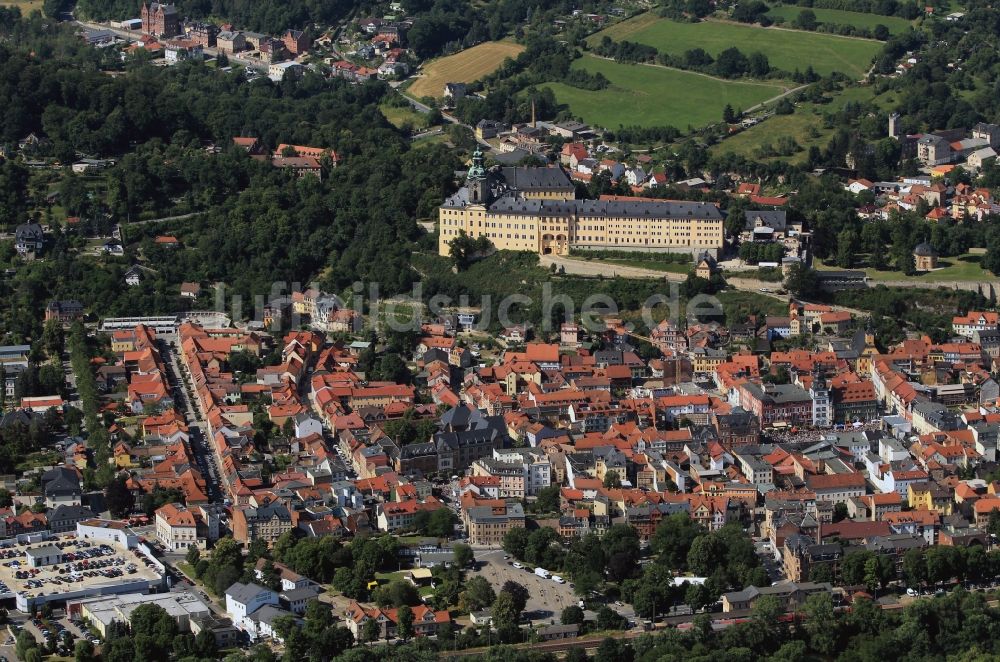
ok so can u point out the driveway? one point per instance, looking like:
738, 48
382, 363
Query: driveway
580, 267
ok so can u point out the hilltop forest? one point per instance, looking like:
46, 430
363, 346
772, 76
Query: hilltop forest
254, 225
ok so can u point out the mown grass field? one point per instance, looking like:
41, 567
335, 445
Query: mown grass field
465, 67
645, 95
400, 115
840, 17
805, 125
959, 268
785, 49
26, 6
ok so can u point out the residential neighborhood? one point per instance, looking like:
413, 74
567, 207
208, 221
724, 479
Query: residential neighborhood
609, 331
820, 453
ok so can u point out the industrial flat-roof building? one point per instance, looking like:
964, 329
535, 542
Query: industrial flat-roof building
102, 611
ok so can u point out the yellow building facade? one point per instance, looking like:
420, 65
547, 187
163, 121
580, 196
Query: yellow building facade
533, 209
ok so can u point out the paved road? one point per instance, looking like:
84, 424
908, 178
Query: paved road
186, 584
424, 108
427, 134
73, 396
580, 267
773, 99
769, 559
417, 106
203, 448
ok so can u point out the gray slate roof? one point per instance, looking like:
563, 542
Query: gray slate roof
244, 593
773, 219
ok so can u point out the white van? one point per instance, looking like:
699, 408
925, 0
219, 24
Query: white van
542, 572
558, 580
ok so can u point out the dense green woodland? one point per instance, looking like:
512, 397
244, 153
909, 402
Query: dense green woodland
259, 224
439, 26
270, 17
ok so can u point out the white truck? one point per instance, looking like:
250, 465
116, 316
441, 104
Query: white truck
542, 572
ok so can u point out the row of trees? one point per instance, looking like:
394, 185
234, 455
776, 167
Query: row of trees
540, 547
753, 253
730, 63
957, 625
81, 351
806, 20
902, 9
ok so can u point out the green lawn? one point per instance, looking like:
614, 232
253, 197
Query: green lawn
39, 459
895, 24
805, 125
785, 49
738, 303
26, 7
400, 115
646, 95
433, 139
961, 268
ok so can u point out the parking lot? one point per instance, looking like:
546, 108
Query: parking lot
546, 598
82, 564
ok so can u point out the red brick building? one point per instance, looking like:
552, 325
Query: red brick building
295, 42
160, 20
